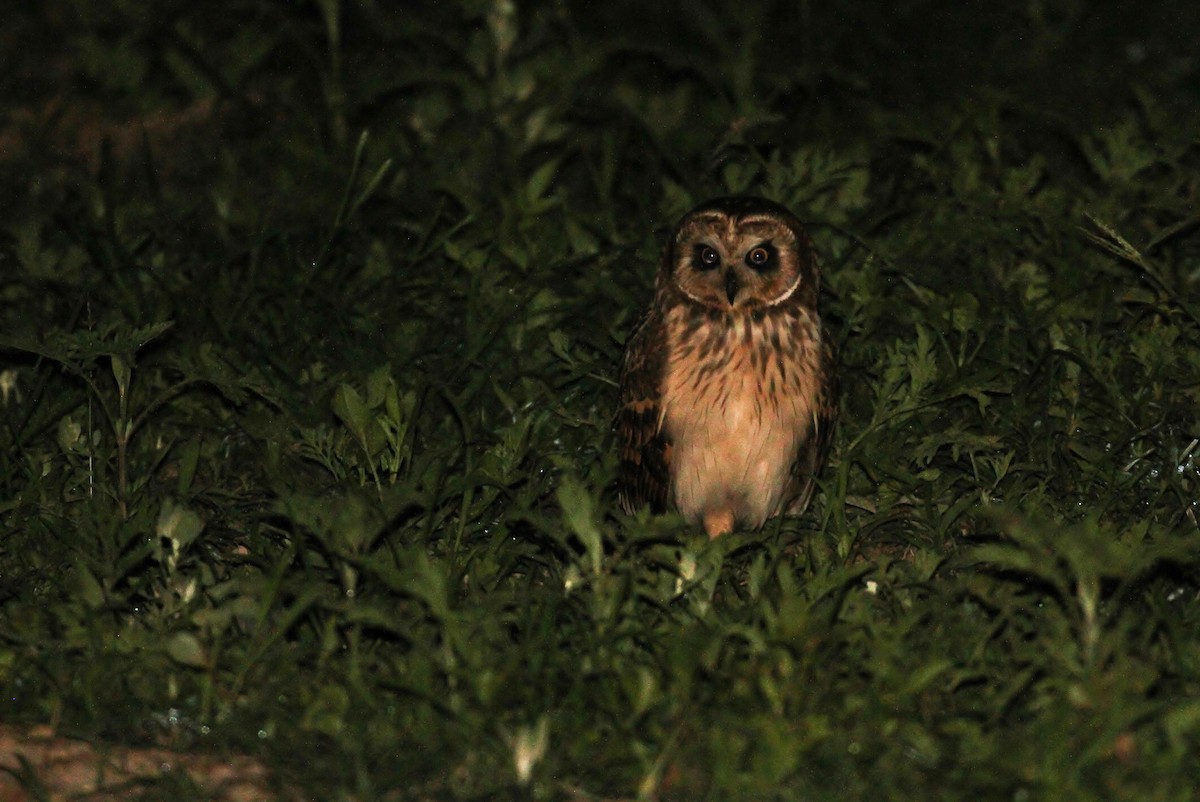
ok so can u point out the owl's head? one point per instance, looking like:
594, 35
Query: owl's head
741, 253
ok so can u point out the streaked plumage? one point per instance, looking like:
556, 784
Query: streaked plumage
726, 388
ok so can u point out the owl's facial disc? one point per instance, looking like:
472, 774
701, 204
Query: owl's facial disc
737, 262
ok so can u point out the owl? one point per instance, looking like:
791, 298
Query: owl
726, 399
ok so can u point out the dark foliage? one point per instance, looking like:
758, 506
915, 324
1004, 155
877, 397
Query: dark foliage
311, 315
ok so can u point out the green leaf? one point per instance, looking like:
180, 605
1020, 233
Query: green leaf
350, 408
122, 371
326, 712
189, 460
378, 385
348, 405
579, 513
539, 182
179, 525
87, 587
185, 648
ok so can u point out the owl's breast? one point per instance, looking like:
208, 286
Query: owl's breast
739, 397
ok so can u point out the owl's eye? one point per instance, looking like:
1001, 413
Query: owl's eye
761, 258
707, 257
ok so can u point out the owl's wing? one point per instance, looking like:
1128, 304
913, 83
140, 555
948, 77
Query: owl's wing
644, 476
813, 452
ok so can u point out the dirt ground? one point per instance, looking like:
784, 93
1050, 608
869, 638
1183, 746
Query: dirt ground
36, 764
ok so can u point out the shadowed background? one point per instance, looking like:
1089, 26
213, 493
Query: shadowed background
310, 318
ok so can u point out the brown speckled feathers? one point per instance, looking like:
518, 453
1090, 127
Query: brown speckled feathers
645, 450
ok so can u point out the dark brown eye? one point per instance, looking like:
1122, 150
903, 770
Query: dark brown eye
707, 257
760, 258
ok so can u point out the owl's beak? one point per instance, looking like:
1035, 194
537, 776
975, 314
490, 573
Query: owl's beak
731, 286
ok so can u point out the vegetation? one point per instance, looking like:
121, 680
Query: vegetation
311, 321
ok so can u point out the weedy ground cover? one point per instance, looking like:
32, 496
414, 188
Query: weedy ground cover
310, 328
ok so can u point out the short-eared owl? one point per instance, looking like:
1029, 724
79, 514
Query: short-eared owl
726, 388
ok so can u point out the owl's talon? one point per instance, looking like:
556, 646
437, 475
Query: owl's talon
718, 522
